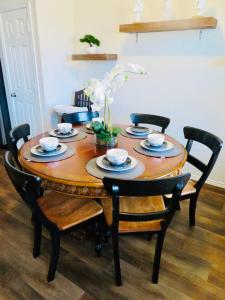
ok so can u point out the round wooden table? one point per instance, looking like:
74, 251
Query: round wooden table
70, 175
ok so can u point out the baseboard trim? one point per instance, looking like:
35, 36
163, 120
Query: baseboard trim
212, 182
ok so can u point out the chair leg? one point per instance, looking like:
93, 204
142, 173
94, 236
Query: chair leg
97, 231
55, 240
107, 234
150, 235
158, 251
178, 206
192, 209
116, 255
37, 236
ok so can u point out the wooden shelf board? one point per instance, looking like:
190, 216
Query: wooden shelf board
171, 25
94, 57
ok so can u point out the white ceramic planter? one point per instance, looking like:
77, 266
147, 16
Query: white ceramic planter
91, 50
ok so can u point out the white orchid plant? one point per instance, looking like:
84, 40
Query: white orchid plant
101, 93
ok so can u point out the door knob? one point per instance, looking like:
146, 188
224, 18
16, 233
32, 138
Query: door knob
13, 95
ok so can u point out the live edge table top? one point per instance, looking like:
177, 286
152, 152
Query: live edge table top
70, 175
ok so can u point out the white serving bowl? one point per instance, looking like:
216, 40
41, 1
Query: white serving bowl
117, 156
49, 143
97, 120
64, 127
156, 139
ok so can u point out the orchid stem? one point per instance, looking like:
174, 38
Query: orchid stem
105, 105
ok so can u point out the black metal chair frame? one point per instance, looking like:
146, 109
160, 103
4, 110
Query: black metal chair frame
29, 188
16, 134
212, 142
81, 100
117, 188
159, 121
80, 117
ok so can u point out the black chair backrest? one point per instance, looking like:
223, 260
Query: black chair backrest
81, 100
159, 121
28, 186
18, 133
208, 139
171, 185
79, 117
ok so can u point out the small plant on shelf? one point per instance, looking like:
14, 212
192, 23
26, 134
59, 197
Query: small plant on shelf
92, 41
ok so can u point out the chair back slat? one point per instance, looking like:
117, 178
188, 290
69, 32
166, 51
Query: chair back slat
196, 163
81, 100
79, 117
143, 187
209, 140
27, 185
140, 188
159, 121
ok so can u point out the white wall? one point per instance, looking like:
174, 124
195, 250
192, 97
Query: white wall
186, 76
56, 34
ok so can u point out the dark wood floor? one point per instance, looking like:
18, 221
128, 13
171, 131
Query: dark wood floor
192, 267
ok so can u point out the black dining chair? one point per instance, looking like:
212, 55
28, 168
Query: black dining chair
57, 212
79, 117
17, 134
192, 189
81, 100
138, 206
159, 121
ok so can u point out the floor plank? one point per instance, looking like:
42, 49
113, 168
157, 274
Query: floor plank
192, 267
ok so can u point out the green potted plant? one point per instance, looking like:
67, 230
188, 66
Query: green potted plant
92, 41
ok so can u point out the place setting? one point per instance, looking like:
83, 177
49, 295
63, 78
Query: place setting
67, 134
156, 145
48, 150
136, 132
116, 163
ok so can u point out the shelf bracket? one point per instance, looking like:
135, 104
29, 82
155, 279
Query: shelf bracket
200, 34
137, 37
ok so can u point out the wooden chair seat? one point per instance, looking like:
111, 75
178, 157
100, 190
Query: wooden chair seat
66, 211
135, 205
188, 189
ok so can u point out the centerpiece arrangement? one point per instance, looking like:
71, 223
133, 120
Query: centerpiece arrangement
100, 93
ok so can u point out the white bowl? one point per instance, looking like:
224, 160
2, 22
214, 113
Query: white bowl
156, 139
97, 120
49, 143
117, 156
64, 127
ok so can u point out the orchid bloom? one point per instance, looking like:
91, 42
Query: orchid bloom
100, 91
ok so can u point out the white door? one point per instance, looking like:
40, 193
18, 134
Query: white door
18, 54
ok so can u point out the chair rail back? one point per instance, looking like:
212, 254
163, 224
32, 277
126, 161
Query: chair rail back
158, 187
209, 140
159, 121
16, 134
28, 187
81, 100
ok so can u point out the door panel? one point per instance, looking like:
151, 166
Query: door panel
19, 54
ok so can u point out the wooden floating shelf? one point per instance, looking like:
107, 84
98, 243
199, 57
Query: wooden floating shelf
94, 57
171, 25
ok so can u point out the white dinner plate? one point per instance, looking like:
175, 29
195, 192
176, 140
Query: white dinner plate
128, 130
100, 163
36, 150
57, 134
164, 147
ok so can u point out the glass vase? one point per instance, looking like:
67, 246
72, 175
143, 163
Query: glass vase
112, 143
